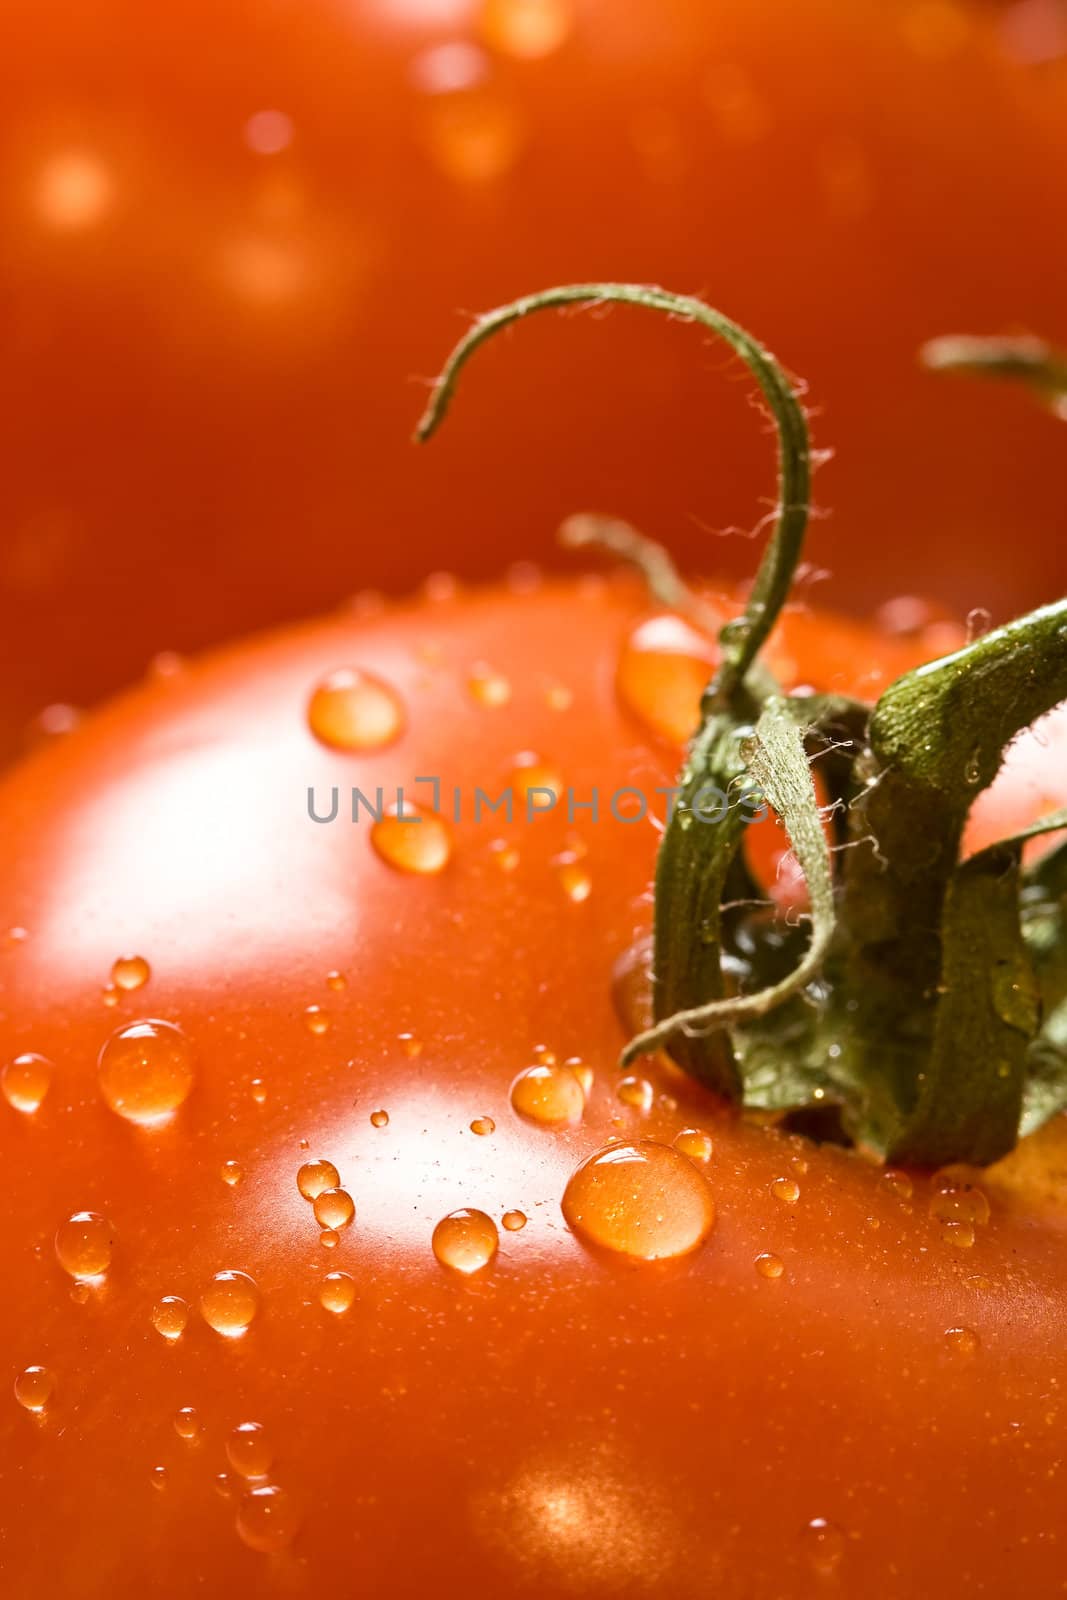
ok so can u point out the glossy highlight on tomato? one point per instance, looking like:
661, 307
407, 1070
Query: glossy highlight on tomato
472, 1387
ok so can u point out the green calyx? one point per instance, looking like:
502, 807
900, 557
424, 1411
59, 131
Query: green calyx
922, 1008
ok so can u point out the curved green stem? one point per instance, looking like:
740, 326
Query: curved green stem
742, 639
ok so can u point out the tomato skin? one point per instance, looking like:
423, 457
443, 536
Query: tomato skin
233, 349
562, 1422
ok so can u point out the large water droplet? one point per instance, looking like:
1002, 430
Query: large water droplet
229, 1303
35, 1387
130, 972
26, 1081
267, 1518
417, 841
334, 1209
768, 1265
249, 1451
170, 1316
353, 710
337, 1293
643, 1200
231, 1173
465, 1240
84, 1244
663, 671
315, 1177
548, 1094
787, 1190
146, 1071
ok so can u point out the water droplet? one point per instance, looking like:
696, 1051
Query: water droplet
631, 987
231, 1172
170, 1316
335, 980
575, 882
582, 1071
229, 1303
187, 1425
962, 1341
337, 1293
35, 1387
824, 1545
353, 710
548, 1095
26, 1081
418, 842
536, 785
642, 1200
267, 1519
956, 1200
80, 1293
529, 29
329, 1239
258, 1090
465, 1240
662, 674
110, 995
787, 1190
514, 1220
334, 1209
379, 1119
130, 972
223, 1485
958, 1234
504, 854
146, 1071
559, 697
317, 1020
899, 1182
249, 1451
84, 1244
769, 1265
158, 1477
483, 1126
410, 1045
635, 1092
545, 1054
315, 1177
694, 1143
487, 687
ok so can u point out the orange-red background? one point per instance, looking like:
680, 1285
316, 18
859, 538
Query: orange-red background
212, 356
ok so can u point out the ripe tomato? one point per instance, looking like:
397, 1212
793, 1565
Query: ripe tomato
829, 1380
216, 244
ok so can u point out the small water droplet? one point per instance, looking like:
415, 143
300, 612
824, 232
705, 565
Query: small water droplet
267, 1518
514, 1220
558, 697
249, 1450
26, 1081
329, 1239
465, 1240
575, 881
955, 1199
504, 854
694, 1143
417, 841
315, 1177
824, 1545
958, 1234
231, 1173
635, 1092
146, 1071
316, 1019
334, 1208
769, 1265
170, 1316
582, 1071
787, 1190
379, 1119
544, 1054
229, 1303
548, 1095
223, 1485
483, 1126
130, 972
335, 980
899, 1182
35, 1387
110, 995
979, 622
643, 1200
536, 785
158, 1477
487, 687
528, 29
80, 1292
353, 710
187, 1425
410, 1045
337, 1293
258, 1090
84, 1245
962, 1341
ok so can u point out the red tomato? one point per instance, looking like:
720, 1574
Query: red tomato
235, 245
827, 1379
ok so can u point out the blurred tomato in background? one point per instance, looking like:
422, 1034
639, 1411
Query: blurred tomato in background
238, 239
